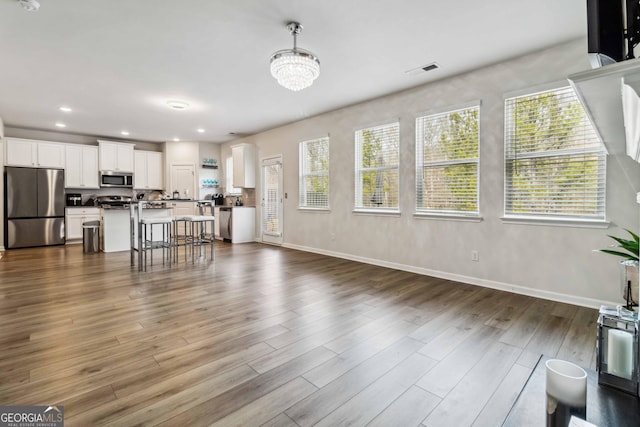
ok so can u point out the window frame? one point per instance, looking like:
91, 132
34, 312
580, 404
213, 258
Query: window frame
302, 175
421, 166
358, 171
598, 220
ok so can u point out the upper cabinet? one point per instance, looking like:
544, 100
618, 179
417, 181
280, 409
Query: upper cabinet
116, 156
244, 165
30, 153
82, 166
149, 170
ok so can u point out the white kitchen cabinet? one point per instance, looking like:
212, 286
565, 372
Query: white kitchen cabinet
244, 165
82, 166
148, 170
31, 153
216, 222
75, 217
237, 223
116, 156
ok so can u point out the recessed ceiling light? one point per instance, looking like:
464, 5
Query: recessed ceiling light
66, 109
200, 130
125, 133
177, 105
176, 139
61, 125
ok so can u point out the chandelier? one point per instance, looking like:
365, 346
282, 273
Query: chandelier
295, 68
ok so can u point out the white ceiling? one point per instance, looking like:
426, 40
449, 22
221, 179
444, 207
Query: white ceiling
116, 62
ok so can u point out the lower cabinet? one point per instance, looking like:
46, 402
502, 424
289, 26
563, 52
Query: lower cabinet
75, 217
237, 223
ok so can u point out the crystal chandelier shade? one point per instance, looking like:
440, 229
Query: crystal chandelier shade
295, 69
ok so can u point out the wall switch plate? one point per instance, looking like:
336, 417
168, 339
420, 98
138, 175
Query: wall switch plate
475, 256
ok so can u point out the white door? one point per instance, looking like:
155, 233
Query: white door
183, 180
272, 200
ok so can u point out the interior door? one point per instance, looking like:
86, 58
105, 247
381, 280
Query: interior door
183, 181
272, 223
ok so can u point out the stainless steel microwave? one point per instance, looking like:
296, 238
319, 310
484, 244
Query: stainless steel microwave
116, 179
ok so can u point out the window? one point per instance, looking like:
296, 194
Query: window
447, 162
229, 179
314, 174
555, 163
377, 154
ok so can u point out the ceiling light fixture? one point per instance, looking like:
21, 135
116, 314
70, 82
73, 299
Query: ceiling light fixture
61, 125
125, 133
30, 5
65, 109
176, 139
295, 68
200, 130
177, 105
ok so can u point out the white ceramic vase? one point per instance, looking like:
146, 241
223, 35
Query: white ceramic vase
566, 388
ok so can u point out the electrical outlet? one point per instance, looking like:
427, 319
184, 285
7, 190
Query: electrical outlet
475, 256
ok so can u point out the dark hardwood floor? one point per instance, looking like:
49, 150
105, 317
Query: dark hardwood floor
268, 336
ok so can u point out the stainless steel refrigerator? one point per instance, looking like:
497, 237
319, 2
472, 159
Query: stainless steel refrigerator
34, 207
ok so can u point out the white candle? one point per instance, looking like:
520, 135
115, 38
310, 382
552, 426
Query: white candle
619, 353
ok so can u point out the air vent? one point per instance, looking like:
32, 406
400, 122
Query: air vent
423, 69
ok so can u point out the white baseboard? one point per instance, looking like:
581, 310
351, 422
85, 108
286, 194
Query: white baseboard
522, 290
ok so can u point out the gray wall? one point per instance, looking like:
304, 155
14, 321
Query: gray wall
555, 262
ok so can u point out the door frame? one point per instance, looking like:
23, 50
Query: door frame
269, 238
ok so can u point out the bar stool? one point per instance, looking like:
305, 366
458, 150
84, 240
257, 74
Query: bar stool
200, 235
149, 244
185, 239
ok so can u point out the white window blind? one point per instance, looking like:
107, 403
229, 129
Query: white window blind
377, 159
314, 174
555, 164
229, 178
447, 151
271, 197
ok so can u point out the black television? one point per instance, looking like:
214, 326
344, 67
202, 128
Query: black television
605, 31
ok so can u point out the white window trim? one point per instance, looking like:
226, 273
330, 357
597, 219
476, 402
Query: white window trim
302, 175
444, 214
369, 210
549, 220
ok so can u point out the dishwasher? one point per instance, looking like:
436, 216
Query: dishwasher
225, 223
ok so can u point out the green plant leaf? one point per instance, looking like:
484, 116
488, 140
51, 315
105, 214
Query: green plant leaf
629, 245
634, 235
621, 254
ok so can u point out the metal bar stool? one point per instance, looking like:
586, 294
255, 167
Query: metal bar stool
149, 244
201, 236
182, 240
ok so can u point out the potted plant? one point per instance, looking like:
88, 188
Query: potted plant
629, 250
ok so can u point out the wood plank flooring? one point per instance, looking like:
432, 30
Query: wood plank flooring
268, 336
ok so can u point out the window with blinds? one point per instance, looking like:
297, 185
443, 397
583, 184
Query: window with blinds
377, 166
314, 174
555, 164
447, 153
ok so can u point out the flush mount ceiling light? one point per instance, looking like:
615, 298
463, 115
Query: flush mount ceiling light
61, 125
30, 5
125, 133
177, 105
295, 68
65, 109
